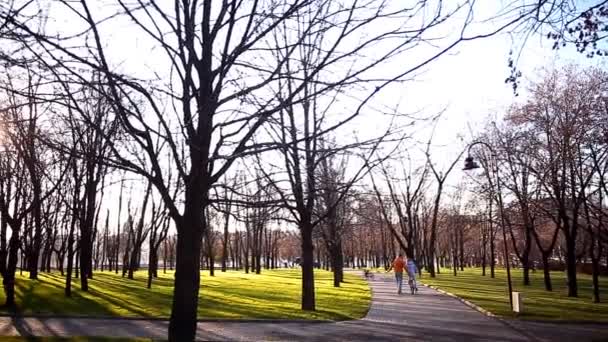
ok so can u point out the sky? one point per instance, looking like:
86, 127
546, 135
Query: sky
470, 84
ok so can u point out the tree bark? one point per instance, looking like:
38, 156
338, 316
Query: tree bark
308, 279
9, 276
182, 325
547, 272
337, 263
571, 266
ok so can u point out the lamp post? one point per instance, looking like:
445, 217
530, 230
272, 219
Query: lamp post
470, 164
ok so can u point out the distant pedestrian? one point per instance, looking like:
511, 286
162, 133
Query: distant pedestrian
398, 265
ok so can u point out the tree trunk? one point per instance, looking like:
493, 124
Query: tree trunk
225, 243
86, 233
77, 270
308, 278
483, 253
492, 255
182, 325
433, 237
526, 272
595, 262
547, 272
571, 266
134, 261
60, 262
212, 262
461, 248
151, 266
68, 276
337, 264
37, 243
165, 256
9, 276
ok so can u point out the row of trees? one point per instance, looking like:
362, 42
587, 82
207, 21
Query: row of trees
544, 183
221, 86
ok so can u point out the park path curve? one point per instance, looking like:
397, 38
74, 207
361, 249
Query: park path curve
427, 316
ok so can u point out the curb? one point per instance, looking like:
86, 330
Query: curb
371, 294
464, 301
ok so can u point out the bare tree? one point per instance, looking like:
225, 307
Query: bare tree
561, 111
440, 178
140, 233
520, 182
335, 209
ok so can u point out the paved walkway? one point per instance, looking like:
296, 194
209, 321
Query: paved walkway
427, 316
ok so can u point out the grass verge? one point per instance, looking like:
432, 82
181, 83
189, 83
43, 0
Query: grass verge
491, 294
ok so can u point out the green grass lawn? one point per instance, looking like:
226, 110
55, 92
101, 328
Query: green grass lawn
491, 294
272, 294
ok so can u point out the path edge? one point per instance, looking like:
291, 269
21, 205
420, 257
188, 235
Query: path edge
463, 301
485, 312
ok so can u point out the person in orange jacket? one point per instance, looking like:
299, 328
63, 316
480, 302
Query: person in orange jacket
398, 265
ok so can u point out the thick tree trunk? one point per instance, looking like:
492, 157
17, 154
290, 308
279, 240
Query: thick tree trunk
37, 243
182, 325
134, 261
547, 272
3, 247
258, 261
86, 235
525, 255
308, 278
526, 272
337, 264
246, 261
68, 276
70, 251
9, 275
571, 267
151, 266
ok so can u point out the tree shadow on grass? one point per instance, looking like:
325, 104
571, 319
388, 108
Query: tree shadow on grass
268, 305
47, 301
113, 295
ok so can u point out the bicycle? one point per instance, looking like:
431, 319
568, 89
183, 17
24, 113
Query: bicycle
413, 287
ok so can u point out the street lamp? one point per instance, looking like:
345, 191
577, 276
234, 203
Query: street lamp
471, 164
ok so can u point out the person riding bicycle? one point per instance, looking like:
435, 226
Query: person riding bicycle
411, 272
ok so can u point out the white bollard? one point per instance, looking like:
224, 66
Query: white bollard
518, 305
